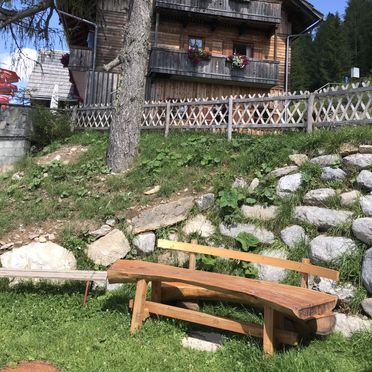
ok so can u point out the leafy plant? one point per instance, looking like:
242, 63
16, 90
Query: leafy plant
247, 241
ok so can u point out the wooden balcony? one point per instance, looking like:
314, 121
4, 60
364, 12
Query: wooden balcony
81, 59
254, 10
176, 63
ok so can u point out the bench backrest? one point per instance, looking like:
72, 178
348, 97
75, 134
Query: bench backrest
304, 267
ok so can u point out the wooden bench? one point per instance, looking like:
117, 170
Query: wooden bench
310, 310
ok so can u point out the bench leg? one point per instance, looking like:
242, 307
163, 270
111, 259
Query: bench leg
268, 331
156, 291
138, 314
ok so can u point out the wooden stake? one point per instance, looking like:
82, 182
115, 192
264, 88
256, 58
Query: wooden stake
268, 332
192, 257
305, 276
138, 314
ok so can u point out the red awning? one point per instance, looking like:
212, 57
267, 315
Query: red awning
8, 89
7, 76
4, 99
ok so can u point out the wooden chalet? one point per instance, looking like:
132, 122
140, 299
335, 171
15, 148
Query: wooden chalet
255, 28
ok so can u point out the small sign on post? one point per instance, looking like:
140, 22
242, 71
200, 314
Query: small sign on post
355, 73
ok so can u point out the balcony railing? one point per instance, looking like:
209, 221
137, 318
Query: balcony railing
254, 10
80, 58
173, 62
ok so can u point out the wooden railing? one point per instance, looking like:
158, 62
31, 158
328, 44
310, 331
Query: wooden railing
264, 11
80, 58
174, 62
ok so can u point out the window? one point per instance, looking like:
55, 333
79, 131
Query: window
196, 42
243, 50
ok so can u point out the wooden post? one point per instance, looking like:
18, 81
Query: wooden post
138, 314
156, 291
304, 276
230, 122
268, 330
157, 19
276, 44
192, 259
167, 118
310, 110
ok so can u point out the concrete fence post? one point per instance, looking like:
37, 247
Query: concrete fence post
167, 118
310, 110
230, 120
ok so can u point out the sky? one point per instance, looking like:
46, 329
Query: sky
24, 68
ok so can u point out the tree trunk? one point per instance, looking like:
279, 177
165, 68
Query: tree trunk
125, 129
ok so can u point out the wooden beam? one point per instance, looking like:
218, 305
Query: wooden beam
156, 291
249, 257
138, 315
254, 330
276, 44
305, 276
268, 331
157, 21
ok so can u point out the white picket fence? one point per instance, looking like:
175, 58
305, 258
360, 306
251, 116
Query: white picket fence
351, 104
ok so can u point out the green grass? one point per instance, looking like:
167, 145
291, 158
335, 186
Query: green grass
49, 323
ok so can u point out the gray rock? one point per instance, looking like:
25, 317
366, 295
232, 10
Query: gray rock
288, 185
280, 172
260, 212
102, 231
348, 149
344, 293
152, 191
111, 222
162, 215
365, 149
240, 183
330, 174
109, 249
366, 205
254, 184
203, 341
318, 197
145, 242
199, 225
232, 231
364, 179
362, 229
367, 270
327, 160
205, 201
330, 249
176, 258
347, 325
348, 199
367, 306
361, 161
39, 256
322, 218
272, 273
299, 159
294, 235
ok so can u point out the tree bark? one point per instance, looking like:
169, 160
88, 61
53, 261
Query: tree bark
125, 129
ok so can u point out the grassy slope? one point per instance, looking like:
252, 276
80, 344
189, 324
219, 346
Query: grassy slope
45, 325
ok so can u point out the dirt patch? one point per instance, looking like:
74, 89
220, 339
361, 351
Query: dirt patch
67, 154
32, 367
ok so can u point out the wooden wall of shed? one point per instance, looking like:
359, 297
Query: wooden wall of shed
111, 19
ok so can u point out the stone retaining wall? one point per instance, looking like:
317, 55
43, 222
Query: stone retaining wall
14, 132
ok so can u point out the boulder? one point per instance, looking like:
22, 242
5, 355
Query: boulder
367, 270
322, 218
260, 212
330, 249
176, 258
299, 159
327, 160
280, 172
331, 174
347, 325
348, 149
205, 201
102, 231
232, 231
162, 215
367, 306
203, 341
294, 235
39, 256
288, 185
348, 199
365, 149
254, 184
240, 183
362, 229
366, 205
345, 293
145, 243
360, 161
318, 197
199, 225
364, 179
272, 273
109, 249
